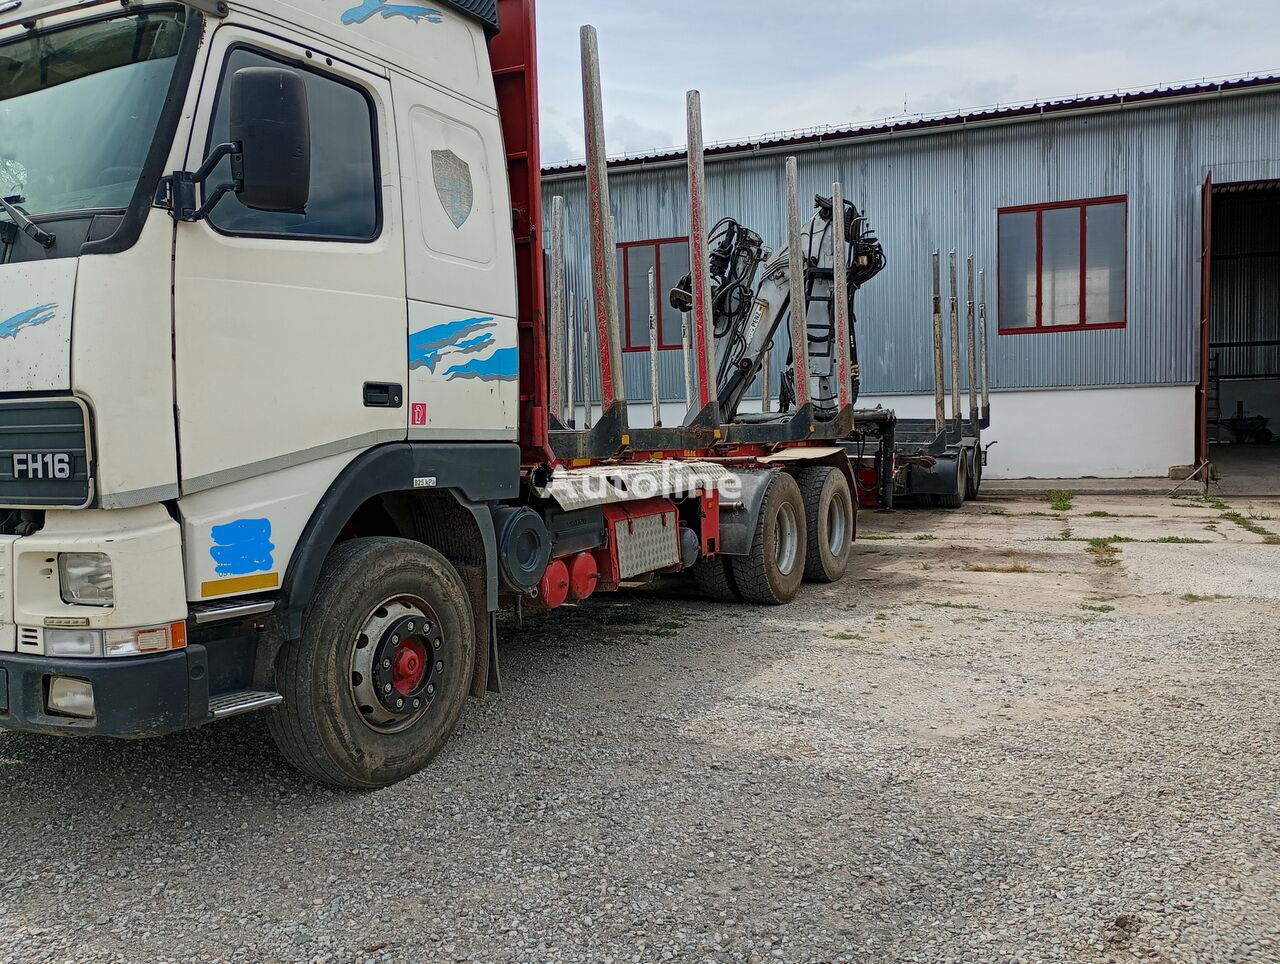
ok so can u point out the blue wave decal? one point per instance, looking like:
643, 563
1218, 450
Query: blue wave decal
385, 10
426, 346
242, 547
502, 366
30, 318
471, 344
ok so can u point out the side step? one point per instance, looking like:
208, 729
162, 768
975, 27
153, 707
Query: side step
242, 701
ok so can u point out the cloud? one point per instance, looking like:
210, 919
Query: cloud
767, 66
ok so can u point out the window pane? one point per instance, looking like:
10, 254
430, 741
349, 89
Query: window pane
343, 202
639, 260
1060, 232
1105, 272
1017, 270
674, 262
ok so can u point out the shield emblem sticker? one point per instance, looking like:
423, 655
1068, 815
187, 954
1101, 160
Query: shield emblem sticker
453, 184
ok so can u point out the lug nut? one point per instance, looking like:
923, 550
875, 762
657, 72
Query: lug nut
386, 664
436, 643
439, 665
430, 688
395, 640
409, 626
399, 704
417, 703
387, 688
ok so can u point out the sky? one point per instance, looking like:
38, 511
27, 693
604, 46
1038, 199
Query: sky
762, 69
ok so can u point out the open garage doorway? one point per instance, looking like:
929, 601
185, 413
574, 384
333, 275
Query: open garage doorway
1241, 370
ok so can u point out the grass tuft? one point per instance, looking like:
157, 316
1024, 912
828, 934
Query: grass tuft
1192, 597
1249, 525
1060, 500
1104, 550
1098, 609
1010, 567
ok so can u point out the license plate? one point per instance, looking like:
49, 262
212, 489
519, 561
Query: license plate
42, 465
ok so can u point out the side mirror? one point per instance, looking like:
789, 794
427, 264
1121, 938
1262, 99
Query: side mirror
270, 122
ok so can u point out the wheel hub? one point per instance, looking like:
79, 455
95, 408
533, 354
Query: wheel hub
396, 664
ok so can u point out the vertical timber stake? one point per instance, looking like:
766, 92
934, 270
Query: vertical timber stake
604, 266
840, 294
971, 332
700, 264
982, 319
556, 317
799, 302
655, 396
571, 363
955, 340
939, 390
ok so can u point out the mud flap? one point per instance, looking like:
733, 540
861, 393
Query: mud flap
484, 678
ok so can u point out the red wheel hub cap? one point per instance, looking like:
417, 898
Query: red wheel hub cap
409, 666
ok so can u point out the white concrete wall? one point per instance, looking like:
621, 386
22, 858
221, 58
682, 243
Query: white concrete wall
1106, 433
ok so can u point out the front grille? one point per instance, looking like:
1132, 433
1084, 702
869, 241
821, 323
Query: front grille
54, 464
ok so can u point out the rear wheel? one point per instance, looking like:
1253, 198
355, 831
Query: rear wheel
975, 474
377, 682
954, 500
772, 573
715, 579
830, 517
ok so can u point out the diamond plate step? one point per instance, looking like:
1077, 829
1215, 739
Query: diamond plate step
242, 701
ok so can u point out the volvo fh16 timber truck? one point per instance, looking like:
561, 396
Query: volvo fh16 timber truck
275, 430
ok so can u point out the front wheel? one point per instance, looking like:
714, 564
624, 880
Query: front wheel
377, 682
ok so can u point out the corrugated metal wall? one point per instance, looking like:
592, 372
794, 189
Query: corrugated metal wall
942, 190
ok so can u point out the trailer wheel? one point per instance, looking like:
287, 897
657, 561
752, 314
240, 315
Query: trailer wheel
375, 685
831, 518
974, 481
772, 573
954, 500
715, 579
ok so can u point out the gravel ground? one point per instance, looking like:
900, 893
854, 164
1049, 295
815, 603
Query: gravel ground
982, 746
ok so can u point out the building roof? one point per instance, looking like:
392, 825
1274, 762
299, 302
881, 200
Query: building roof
1086, 103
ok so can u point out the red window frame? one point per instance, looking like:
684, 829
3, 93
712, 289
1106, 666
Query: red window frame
662, 286
1083, 204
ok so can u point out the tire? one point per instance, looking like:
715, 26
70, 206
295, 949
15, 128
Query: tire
955, 500
331, 727
831, 518
715, 579
974, 480
772, 573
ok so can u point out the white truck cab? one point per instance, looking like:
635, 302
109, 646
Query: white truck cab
179, 394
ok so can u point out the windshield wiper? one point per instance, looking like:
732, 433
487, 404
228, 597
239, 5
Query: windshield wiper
32, 230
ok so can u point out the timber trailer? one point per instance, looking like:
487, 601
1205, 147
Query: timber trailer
937, 461
277, 432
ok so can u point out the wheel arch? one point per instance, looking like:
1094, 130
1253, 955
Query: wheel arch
434, 493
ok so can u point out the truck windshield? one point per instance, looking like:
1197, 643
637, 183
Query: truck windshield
79, 107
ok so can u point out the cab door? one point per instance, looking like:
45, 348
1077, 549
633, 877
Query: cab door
291, 328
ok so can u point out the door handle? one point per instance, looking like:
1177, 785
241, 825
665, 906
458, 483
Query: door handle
383, 395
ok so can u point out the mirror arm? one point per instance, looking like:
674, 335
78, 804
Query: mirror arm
180, 187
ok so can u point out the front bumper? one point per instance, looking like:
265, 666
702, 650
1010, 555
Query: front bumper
136, 697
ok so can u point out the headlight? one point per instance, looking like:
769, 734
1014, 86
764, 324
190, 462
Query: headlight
85, 578
114, 642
